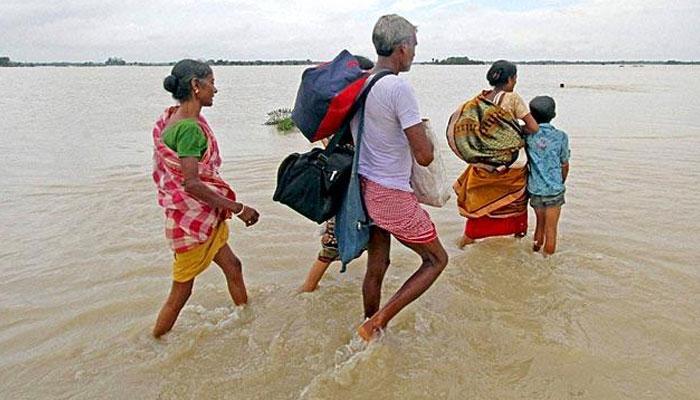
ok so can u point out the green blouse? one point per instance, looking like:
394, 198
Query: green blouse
186, 138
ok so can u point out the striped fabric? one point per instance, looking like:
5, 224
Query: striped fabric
397, 212
188, 221
483, 132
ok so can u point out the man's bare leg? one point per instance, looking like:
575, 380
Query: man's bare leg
179, 293
434, 262
231, 265
377, 263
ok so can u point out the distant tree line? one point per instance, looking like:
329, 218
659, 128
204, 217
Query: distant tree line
463, 60
467, 61
118, 61
618, 62
261, 62
455, 61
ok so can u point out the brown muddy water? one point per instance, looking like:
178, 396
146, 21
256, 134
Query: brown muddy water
85, 267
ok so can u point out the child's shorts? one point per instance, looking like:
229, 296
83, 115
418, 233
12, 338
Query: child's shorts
547, 201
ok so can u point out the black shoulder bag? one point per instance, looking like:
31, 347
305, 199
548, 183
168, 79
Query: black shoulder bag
314, 183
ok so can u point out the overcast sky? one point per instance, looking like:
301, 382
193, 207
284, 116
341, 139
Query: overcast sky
159, 30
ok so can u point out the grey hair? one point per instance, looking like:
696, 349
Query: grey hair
391, 31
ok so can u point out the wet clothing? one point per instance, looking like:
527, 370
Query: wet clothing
495, 203
187, 265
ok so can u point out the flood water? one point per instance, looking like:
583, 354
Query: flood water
85, 266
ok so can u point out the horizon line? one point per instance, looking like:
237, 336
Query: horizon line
310, 61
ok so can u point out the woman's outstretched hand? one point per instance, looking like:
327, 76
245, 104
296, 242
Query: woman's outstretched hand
248, 215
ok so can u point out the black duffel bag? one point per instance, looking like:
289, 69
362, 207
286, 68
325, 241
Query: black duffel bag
314, 183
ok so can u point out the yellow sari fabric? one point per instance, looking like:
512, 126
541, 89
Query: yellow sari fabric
495, 194
191, 263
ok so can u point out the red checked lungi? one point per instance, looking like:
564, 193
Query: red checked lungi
397, 212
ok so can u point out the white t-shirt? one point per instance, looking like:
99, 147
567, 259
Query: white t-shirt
385, 155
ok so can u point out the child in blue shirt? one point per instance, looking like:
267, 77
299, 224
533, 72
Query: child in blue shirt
548, 157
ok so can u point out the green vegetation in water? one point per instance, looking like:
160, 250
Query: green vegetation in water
282, 118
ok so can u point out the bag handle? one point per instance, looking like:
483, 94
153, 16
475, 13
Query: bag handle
345, 127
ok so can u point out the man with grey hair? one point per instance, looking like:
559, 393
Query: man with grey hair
393, 136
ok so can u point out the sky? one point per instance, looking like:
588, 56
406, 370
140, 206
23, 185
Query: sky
160, 30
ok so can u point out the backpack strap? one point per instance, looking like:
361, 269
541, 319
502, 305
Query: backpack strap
498, 98
359, 102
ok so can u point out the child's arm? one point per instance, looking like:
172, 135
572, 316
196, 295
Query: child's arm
564, 156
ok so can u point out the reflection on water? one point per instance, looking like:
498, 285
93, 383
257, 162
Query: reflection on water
85, 266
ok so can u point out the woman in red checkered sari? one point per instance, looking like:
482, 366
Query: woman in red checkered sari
196, 200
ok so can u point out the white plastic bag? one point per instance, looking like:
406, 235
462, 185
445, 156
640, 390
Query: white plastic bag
430, 183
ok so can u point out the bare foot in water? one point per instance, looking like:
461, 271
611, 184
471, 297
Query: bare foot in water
464, 241
369, 330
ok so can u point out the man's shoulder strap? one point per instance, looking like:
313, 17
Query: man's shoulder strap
359, 103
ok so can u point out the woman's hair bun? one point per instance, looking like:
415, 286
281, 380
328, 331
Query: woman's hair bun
170, 83
500, 72
179, 81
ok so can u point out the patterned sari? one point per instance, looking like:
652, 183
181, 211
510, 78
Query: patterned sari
483, 132
490, 195
495, 203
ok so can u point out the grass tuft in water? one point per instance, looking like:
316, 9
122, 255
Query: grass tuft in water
282, 118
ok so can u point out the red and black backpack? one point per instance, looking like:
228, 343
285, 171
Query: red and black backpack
326, 94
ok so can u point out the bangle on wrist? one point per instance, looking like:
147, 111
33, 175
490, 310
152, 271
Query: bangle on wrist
241, 210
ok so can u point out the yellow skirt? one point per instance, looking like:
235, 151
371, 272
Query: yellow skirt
191, 263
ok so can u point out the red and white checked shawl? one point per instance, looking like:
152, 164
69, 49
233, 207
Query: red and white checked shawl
188, 221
